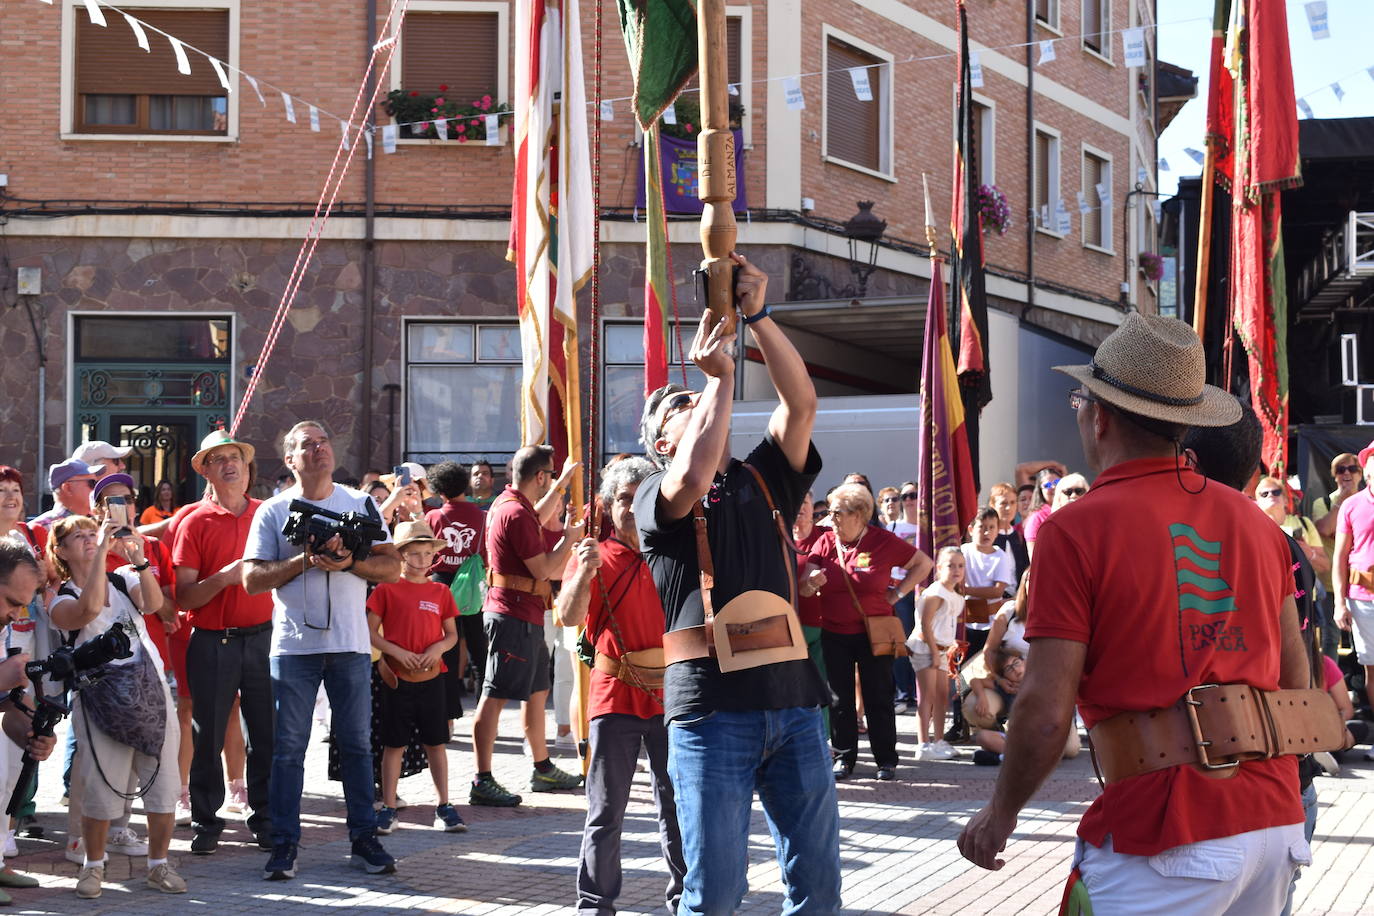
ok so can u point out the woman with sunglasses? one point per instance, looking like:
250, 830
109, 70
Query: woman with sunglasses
1041, 505
1272, 497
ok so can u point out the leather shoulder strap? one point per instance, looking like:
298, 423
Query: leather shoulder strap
789, 550
705, 565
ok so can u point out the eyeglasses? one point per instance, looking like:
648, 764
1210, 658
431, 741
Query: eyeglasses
1071, 492
1077, 399
676, 404
891, 499
1268, 493
911, 496
1347, 469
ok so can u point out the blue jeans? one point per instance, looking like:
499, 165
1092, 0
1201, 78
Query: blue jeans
717, 762
347, 678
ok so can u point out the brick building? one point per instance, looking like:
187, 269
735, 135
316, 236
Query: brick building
164, 215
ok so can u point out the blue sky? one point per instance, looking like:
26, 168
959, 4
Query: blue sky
1344, 57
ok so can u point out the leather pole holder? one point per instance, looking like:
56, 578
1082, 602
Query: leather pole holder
643, 668
540, 588
1363, 578
1216, 727
756, 627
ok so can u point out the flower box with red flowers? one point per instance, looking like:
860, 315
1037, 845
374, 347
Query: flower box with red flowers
422, 115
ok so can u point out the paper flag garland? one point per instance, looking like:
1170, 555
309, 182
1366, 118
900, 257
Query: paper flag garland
93, 10
494, 130
314, 119
290, 109
1133, 44
1317, 19
1195, 155
1046, 51
792, 93
139, 35
219, 72
389, 132
975, 70
183, 65
859, 77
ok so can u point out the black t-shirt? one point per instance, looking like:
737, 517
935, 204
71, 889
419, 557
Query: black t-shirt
747, 554
1014, 544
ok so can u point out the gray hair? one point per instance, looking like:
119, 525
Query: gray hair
288, 441
623, 473
648, 420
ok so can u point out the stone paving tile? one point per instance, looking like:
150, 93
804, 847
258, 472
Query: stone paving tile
897, 846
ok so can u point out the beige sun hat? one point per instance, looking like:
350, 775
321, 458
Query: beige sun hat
213, 441
1155, 367
416, 532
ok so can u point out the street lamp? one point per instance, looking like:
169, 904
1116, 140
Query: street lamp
863, 228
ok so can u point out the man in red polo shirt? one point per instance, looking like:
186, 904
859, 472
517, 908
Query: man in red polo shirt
610, 587
230, 638
513, 617
1131, 618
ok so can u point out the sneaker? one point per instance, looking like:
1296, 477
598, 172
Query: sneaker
238, 797
165, 878
555, 780
986, 758
487, 791
183, 809
31, 828
369, 855
948, 750
401, 803
935, 751
125, 842
11, 848
386, 820
76, 851
1328, 764
449, 816
204, 843
282, 865
565, 742
89, 880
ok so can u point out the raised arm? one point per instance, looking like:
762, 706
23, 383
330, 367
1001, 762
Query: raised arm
704, 442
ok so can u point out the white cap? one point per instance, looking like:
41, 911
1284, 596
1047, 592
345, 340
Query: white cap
417, 471
96, 451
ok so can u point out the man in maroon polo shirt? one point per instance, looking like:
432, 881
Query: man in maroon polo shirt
230, 639
513, 617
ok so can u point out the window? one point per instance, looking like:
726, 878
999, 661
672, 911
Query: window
623, 390
1046, 178
1097, 222
1047, 13
856, 132
153, 338
984, 144
738, 67
1097, 36
462, 390
455, 43
121, 89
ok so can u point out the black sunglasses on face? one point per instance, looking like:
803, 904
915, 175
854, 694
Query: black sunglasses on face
1268, 492
1347, 469
891, 499
911, 497
1074, 491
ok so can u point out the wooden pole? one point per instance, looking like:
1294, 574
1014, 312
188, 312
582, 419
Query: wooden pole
716, 162
1204, 240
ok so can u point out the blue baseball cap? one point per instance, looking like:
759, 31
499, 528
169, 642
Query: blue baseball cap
59, 474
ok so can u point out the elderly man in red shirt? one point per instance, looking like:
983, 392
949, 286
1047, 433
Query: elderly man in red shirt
513, 618
227, 656
609, 586
1189, 603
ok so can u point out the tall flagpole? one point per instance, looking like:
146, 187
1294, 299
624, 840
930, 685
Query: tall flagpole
716, 162
1204, 241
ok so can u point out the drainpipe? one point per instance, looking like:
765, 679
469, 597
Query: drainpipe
369, 266
1030, 154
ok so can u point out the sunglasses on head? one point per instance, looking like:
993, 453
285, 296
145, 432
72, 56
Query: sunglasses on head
1268, 493
1347, 469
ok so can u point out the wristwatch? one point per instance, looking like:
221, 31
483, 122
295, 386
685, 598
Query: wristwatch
146, 564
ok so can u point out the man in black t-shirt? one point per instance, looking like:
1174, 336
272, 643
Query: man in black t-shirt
759, 728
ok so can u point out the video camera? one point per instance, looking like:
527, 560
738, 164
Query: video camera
312, 525
75, 667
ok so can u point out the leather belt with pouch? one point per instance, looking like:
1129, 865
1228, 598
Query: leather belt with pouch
643, 668
540, 588
756, 627
1363, 578
1215, 728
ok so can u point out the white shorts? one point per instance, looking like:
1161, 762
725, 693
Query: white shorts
920, 654
1362, 628
1245, 874
122, 767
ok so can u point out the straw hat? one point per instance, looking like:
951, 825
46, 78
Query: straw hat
416, 532
1154, 367
213, 441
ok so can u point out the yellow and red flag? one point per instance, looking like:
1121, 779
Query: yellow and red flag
551, 218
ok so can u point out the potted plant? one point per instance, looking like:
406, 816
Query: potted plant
688, 111
415, 113
1151, 265
994, 209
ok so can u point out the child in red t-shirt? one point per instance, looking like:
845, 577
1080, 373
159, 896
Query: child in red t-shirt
413, 623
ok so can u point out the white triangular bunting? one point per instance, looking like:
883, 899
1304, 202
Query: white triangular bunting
219, 71
183, 65
290, 108
93, 10
254, 83
139, 35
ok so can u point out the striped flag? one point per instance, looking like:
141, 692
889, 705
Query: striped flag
657, 283
970, 328
947, 494
551, 218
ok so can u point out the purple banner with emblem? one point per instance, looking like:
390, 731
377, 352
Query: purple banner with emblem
678, 168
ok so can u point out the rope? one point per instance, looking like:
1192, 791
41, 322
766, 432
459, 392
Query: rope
322, 210
592, 445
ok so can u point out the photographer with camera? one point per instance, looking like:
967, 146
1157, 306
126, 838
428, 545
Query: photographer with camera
315, 546
125, 723
20, 580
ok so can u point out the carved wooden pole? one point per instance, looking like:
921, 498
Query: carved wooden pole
716, 162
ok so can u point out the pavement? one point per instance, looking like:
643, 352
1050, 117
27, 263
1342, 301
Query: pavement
897, 845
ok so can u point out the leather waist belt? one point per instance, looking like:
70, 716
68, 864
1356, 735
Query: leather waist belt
643, 668
1363, 578
1216, 727
540, 588
696, 642
238, 632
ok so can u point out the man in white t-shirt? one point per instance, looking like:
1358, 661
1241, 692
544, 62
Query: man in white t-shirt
988, 575
319, 634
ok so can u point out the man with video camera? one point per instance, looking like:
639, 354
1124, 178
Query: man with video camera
315, 546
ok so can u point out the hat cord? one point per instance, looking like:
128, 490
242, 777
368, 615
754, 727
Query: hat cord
1103, 375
